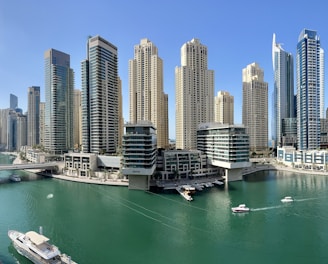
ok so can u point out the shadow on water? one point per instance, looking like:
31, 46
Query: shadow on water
260, 176
23, 175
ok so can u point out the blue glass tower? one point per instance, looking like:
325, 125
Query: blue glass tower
59, 86
309, 93
283, 94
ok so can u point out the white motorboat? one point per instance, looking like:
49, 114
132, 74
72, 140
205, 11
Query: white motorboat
15, 178
37, 249
184, 193
240, 209
219, 183
287, 199
189, 188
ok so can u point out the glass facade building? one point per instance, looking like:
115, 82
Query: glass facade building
139, 148
33, 116
310, 96
283, 95
100, 97
226, 146
59, 86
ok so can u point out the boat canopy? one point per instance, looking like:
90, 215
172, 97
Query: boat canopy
36, 238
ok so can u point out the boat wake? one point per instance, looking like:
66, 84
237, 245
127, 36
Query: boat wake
305, 199
266, 208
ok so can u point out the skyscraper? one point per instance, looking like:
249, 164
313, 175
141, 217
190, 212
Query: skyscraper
33, 116
255, 107
100, 97
283, 94
310, 97
42, 122
13, 101
77, 119
194, 94
147, 99
59, 86
224, 108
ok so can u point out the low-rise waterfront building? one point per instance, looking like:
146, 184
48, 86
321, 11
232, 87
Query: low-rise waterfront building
80, 164
225, 146
183, 164
303, 159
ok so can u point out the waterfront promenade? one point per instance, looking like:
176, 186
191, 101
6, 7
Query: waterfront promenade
259, 165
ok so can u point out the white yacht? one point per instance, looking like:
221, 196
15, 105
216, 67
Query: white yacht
287, 199
240, 209
184, 193
37, 249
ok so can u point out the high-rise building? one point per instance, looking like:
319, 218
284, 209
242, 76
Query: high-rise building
11, 130
77, 119
310, 96
22, 133
33, 116
13, 101
59, 86
41, 125
224, 108
283, 94
120, 114
100, 97
147, 99
3, 127
255, 107
194, 94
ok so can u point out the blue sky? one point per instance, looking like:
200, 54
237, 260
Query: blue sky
236, 32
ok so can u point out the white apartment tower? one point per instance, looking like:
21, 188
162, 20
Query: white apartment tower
224, 108
194, 92
255, 107
147, 99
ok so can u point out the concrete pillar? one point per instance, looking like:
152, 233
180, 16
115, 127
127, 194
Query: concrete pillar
234, 174
139, 182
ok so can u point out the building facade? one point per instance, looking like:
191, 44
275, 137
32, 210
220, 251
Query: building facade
59, 86
147, 99
310, 97
77, 136
13, 101
21, 131
225, 146
42, 123
139, 154
224, 108
194, 93
283, 94
100, 97
255, 107
33, 116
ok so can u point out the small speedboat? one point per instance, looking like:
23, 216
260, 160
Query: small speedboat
287, 199
240, 209
15, 178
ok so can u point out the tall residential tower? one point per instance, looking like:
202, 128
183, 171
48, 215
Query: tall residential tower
255, 107
59, 86
33, 116
310, 92
194, 92
100, 97
147, 98
224, 108
283, 94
